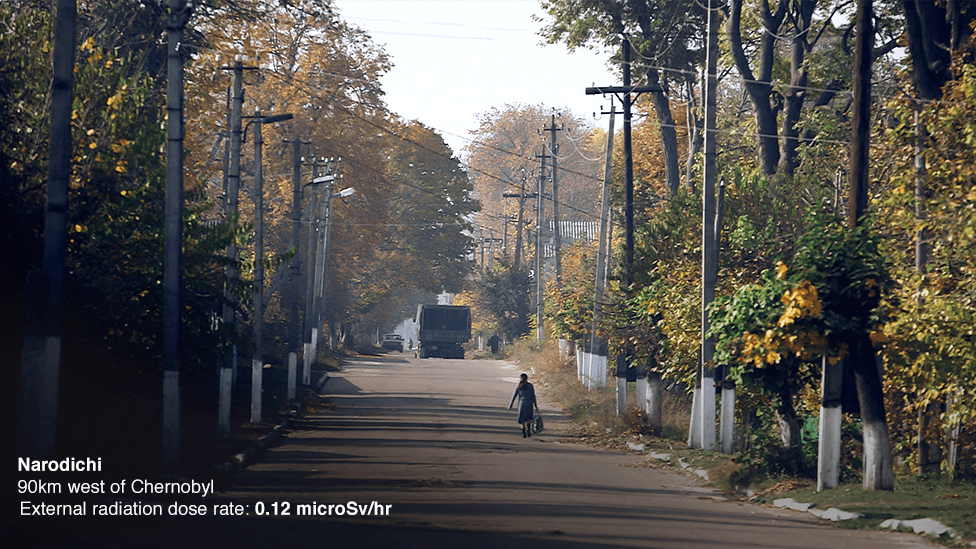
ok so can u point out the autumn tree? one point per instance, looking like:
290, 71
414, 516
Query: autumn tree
668, 42
502, 157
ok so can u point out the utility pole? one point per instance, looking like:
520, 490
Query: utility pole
540, 286
228, 370
295, 267
706, 423
595, 362
40, 363
624, 95
179, 14
557, 238
518, 227
878, 466
312, 260
257, 361
322, 259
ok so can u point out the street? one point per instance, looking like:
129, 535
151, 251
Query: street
425, 453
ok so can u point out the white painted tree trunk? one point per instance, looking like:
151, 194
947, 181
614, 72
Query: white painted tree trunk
878, 466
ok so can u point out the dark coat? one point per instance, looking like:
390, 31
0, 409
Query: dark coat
526, 401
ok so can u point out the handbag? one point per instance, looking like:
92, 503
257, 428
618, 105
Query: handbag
537, 422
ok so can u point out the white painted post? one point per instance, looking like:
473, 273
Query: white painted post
223, 408
728, 416
621, 396
579, 363
828, 448
831, 414
307, 362
292, 374
707, 416
694, 431
642, 392
654, 402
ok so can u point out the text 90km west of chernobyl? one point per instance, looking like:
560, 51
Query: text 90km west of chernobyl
141, 487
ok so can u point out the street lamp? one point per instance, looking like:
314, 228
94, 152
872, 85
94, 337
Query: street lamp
257, 361
318, 279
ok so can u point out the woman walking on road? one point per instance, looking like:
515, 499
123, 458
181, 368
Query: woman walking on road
526, 401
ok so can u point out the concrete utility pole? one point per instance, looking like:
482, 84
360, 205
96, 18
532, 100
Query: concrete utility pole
557, 238
179, 14
228, 372
595, 361
310, 339
40, 363
257, 361
320, 283
295, 269
706, 401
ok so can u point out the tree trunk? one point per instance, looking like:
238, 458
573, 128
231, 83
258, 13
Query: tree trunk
669, 136
928, 45
797, 93
758, 86
696, 138
878, 464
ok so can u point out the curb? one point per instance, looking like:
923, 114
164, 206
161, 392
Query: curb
238, 461
919, 526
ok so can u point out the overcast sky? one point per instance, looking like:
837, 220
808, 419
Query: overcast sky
455, 59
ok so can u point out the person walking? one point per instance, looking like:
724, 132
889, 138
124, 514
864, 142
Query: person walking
526, 402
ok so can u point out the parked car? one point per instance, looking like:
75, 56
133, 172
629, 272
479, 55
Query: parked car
392, 342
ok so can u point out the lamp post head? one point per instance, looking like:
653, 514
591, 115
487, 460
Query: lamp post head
277, 118
347, 192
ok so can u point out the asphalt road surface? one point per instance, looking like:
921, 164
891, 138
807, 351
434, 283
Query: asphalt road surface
425, 453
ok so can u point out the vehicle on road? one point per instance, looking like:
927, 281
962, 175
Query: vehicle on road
392, 342
442, 330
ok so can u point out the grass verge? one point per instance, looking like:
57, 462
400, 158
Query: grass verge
595, 422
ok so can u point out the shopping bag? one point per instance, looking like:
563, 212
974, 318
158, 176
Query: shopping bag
537, 422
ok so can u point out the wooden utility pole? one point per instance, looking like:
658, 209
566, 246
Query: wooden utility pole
540, 286
518, 224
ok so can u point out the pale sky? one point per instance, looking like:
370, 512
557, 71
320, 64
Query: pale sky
455, 59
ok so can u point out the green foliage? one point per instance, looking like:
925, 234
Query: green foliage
569, 307
503, 293
930, 347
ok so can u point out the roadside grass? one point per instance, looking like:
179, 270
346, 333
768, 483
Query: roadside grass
594, 421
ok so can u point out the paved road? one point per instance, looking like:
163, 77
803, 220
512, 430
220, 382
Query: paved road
433, 444
434, 440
